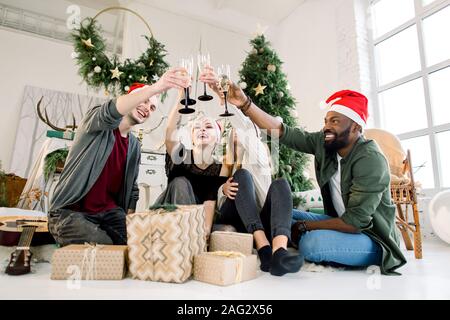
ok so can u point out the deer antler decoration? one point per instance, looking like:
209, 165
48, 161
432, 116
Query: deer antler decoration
47, 121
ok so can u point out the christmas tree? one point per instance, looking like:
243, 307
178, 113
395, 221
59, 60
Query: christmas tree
262, 79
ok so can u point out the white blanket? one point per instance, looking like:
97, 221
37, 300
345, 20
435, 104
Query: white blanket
20, 212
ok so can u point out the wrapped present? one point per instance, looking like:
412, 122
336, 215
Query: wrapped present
89, 262
224, 268
231, 241
162, 243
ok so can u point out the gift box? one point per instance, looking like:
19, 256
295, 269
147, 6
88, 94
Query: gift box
224, 268
162, 243
89, 262
231, 241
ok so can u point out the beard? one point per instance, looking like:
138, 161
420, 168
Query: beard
340, 141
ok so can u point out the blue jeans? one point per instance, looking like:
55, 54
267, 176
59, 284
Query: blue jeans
334, 247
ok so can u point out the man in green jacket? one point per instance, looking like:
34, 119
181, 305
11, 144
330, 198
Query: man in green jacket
359, 226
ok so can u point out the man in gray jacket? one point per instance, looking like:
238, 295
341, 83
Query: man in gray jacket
98, 184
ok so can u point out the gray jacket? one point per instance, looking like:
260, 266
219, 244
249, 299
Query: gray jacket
87, 157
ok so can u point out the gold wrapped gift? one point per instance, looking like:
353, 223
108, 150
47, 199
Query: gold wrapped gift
231, 241
224, 268
89, 262
162, 243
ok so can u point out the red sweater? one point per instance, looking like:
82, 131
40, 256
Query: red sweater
103, 194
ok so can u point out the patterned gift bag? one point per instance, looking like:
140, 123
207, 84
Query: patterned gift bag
162, 243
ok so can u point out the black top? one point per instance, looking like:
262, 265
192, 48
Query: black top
205, 182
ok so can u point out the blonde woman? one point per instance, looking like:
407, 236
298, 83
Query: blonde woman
251, 204
194, 175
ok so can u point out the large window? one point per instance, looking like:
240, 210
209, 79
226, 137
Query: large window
412, 64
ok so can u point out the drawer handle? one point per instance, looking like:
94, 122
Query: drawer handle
151, 158
150, 171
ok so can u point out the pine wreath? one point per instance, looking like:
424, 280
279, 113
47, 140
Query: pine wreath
98, 70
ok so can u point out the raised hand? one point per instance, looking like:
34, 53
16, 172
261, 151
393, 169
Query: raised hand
173, 78
235, 94
209, 77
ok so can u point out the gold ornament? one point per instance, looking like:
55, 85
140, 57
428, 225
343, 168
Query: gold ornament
143, 79
261, 50
106, 93
271, 68
151, 62
116, 73
259, 89
88, 43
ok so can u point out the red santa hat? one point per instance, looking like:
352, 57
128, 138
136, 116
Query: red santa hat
135, 86
351, 104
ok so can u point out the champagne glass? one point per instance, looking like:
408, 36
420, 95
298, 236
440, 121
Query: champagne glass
224, 85
187, 64
204, 60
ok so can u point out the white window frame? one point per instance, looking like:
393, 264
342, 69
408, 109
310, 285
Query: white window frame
431, 130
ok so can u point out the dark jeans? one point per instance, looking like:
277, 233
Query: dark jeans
72, 227
275, 216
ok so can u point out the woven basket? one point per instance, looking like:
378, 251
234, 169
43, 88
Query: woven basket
11, 187
402, 194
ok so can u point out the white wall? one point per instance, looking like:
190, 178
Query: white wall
181, 37
321, 49
30, 60
324, 46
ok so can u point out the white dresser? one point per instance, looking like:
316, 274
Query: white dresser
152, 180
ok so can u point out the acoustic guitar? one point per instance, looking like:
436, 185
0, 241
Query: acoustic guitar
23, 232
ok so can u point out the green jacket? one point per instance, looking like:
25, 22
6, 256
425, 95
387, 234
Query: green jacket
365, 188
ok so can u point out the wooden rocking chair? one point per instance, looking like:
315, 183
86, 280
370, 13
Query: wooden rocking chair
403, 189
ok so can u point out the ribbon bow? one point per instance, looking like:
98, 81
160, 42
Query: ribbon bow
240, 261
89, 262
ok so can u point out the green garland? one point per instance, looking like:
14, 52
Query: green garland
96, 68
51, 160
